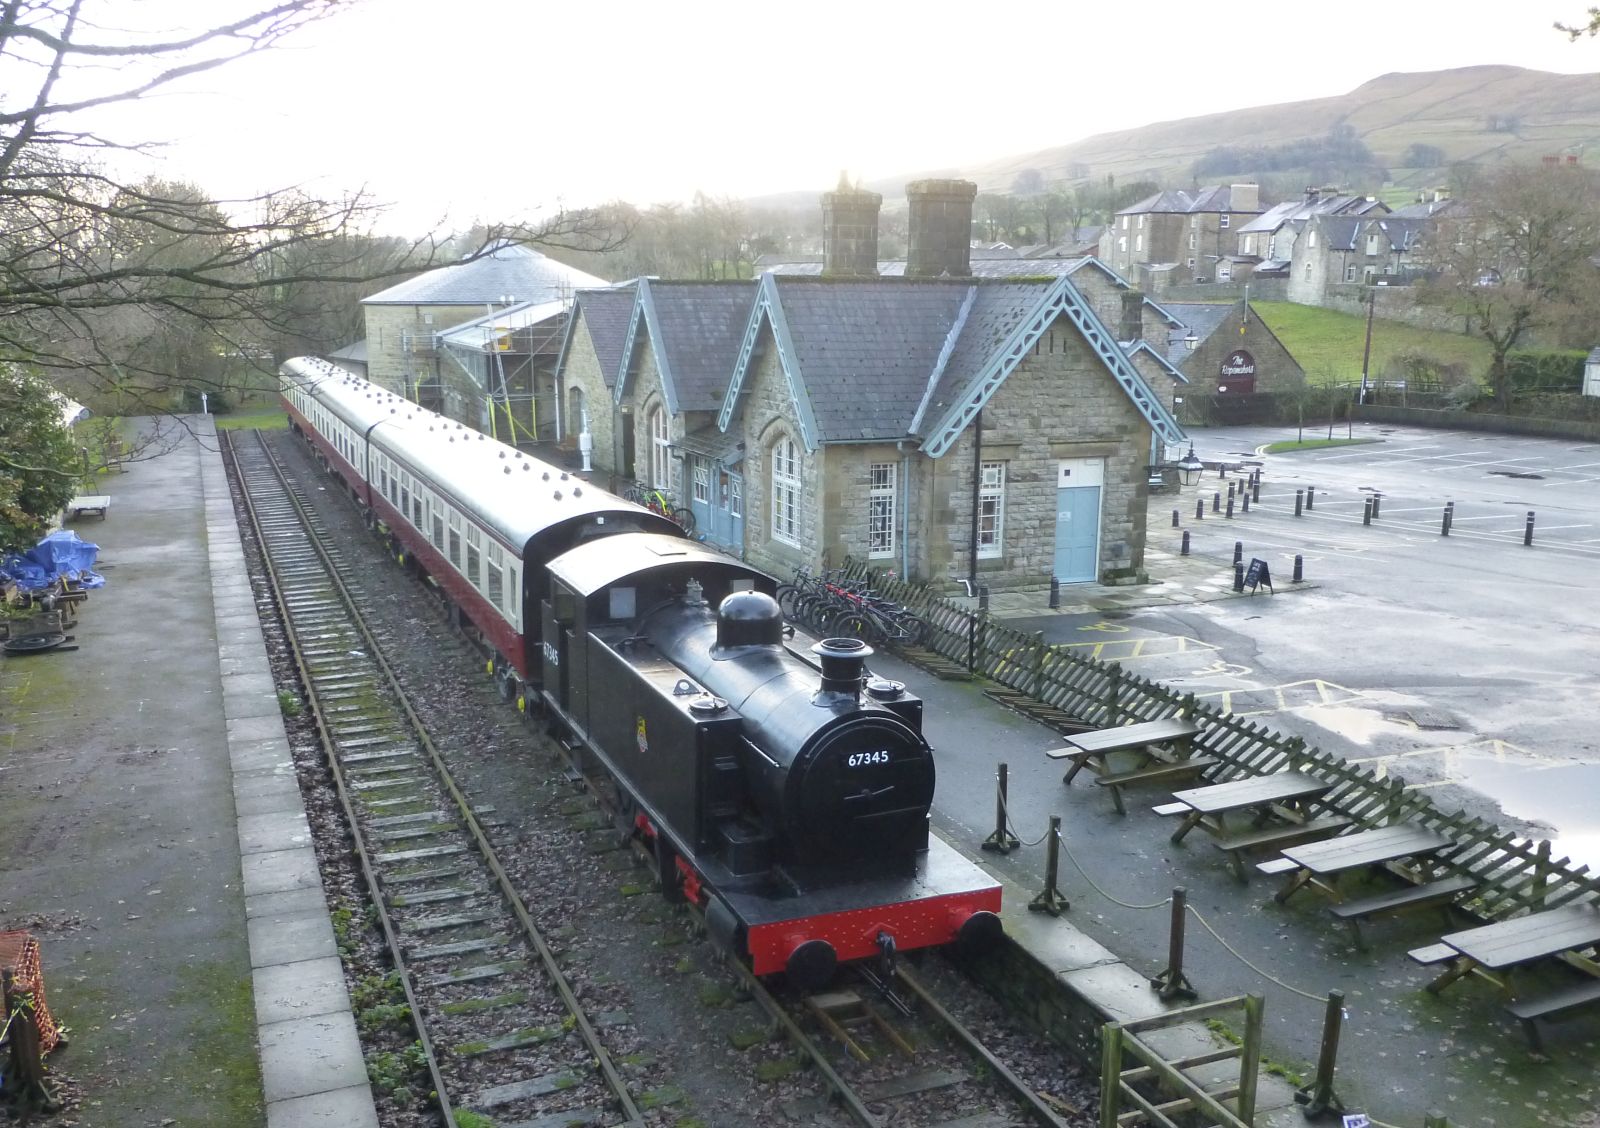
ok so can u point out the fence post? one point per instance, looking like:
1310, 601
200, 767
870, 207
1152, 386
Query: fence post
1002, 841
1319, 1097
1113, 691
1435, 1120
1036, 663
1050, 899
1110, 1074
972, 642
1541, 871
1172, 983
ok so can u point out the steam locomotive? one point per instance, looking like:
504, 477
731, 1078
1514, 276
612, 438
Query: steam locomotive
788, 798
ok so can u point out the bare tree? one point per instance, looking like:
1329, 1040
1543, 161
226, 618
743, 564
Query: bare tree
1517, 258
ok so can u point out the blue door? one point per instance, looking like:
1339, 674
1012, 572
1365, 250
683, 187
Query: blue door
1078, 485
700, 471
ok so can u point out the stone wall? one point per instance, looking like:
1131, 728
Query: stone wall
581, 369
765, 417
388, 363
1476, 421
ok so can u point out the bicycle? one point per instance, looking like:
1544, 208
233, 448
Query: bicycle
659, 501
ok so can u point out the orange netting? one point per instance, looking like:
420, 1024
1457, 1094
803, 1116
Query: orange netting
19, 954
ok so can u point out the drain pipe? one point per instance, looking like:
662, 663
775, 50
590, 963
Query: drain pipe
905, 510
977, 484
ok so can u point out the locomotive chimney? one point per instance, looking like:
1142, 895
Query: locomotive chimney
844, 664
940, 236
850, 232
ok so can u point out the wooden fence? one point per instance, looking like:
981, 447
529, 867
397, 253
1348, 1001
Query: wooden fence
1514, 874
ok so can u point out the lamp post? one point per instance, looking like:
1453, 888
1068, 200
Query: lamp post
1366, 350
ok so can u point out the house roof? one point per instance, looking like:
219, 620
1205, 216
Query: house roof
1212, 198
1279, 214
509, 271
695, 329
604, 315
890, 359
1200, 318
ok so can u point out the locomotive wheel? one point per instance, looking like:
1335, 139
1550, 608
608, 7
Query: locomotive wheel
505, 682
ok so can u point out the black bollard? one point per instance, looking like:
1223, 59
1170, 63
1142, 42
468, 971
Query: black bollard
1527, 530
1002, 841
1366, 513
1299, 500
1184, 551
1229, 513
1231, 488
1299, 571
1199, 508
1311, 496
1055, 592
1172, 983
1244, 501
1255, 490
1449, 515
1238, 551
1377, 503
1216, 502
1238, 577
1174, 518
1050, 899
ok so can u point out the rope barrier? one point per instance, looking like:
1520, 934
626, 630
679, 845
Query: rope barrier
1125, 904
1012, 827
1236, 955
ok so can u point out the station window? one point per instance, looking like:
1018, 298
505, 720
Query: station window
660, 450
702, 481
880, 509
786, 492
991, 509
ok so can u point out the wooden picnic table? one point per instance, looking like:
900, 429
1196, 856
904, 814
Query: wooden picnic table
1493, 950
1209, 806
1162, 754
1319, 864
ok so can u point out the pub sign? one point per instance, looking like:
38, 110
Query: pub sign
1237, 376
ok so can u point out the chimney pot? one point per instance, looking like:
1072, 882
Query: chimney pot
850, 233
940, 236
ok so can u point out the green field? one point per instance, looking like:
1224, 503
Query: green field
1328, 344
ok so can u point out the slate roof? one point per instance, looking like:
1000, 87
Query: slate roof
1200, 318
1279, 214
992, 314
509, 271
697, 329
1212, 198
1340, 231
605, 314
1425, 209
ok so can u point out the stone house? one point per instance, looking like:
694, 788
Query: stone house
1235, 367
591, 354
497, 374
1178, 237
1351, 251
1270, 238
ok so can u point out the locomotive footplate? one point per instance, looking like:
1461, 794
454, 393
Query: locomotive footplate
930, 905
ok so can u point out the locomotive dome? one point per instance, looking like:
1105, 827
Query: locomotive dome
749, 618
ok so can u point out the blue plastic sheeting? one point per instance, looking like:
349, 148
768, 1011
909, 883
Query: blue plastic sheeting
61, 555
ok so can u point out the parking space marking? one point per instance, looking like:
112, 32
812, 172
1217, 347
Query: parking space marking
1307, 693
1451, 754
1132, 649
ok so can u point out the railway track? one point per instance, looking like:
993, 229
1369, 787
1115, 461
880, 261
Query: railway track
487, 995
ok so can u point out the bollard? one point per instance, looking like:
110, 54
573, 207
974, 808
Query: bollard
1199, 508
1527, 530
1299, 500
1055, 592
1172, 983
1229, 513
1184, 551
1299, 571
1231, 487
1377, 503
1050, 899
1311, 496
1366, 513
1216, 502
1002, 841
1244, 501
1319, 1097
1238, 577
1255, 490
1174, 518
1435, 1119
1449, 516
1238, 551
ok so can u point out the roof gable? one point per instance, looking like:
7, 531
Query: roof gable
696, 329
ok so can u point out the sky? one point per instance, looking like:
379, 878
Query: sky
506, 109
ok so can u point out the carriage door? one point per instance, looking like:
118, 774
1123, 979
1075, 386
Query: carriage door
1078, 485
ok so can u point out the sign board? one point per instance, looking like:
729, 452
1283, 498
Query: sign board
1237, 376
1259, 574
1356, 1120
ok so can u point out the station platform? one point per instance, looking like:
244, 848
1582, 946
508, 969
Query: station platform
153, 841
152, 837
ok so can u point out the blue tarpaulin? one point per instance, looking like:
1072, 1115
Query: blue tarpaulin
61, 555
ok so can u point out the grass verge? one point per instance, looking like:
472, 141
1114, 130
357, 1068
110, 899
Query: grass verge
1290, 445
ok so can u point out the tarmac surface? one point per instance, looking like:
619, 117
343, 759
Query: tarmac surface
148, 841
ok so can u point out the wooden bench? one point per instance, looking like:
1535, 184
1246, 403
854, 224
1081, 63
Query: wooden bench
1277, 836
1166, 810
1433, 954
1090, 749
1160, 772
1275, 867
1433, 894
1527, 1011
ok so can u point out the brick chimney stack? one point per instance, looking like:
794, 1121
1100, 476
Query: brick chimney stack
850, 232
940, 234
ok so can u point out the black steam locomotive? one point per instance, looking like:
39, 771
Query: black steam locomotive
789, 799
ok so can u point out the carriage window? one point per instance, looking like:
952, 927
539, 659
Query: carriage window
455, 539
495, 588
514, 594
405, 496
438, 527
474, 543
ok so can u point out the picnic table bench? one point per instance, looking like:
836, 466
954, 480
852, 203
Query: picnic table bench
89, 503
1093, 750
1281, 795
1557, 1003
1492, 951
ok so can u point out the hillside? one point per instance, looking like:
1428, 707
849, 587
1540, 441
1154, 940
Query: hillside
1470, 113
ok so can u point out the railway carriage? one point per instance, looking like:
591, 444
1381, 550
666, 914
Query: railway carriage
788, 795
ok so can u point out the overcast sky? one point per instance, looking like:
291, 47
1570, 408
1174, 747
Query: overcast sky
498, 108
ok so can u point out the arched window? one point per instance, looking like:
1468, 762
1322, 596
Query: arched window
660, 456
786, 491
